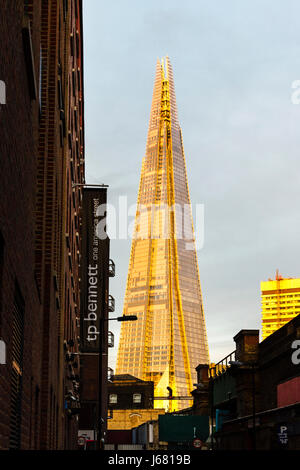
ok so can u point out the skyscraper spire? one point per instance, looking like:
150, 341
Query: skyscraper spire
163, 287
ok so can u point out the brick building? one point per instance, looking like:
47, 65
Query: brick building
20, 307
42, 168
128, 392
130, 404
254, 392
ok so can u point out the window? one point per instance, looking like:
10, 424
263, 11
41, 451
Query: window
17, 369
113, 398
1, 270
29, 59
36, 416
137, 398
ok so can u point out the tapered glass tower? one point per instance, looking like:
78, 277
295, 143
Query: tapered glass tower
163, 287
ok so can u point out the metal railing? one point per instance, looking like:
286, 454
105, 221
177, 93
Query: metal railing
221, 366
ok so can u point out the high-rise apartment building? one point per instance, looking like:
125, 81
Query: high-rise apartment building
163, 286
280, 299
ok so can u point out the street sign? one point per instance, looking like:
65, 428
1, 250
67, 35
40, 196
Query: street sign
283, 434
81, 440
197, 443
87, 434
92, 267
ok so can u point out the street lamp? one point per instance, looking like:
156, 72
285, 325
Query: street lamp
124, 318
100, 369
252, 364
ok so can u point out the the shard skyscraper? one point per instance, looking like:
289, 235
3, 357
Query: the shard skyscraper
163, 286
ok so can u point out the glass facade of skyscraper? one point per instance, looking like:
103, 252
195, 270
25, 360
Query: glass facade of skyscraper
163, 287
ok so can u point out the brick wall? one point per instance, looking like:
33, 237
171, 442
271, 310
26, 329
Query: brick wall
42, 154
18, 132
58, 248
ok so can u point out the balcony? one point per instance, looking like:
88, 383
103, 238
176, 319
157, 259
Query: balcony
111, 303
111, 268
222, 366
111, 339
110, 373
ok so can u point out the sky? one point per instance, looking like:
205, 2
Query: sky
234, 64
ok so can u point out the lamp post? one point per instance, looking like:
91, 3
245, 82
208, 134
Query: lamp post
252, 364
100, 370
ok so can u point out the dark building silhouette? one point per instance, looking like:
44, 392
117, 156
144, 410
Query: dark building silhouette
130, 404
254, 392
42, 168
126, 392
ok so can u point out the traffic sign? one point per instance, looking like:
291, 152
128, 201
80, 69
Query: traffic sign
197, 443
81, 440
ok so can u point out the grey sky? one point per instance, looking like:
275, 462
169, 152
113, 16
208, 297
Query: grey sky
234, 62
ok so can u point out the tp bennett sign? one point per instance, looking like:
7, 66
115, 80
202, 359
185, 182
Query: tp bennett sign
93, 266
